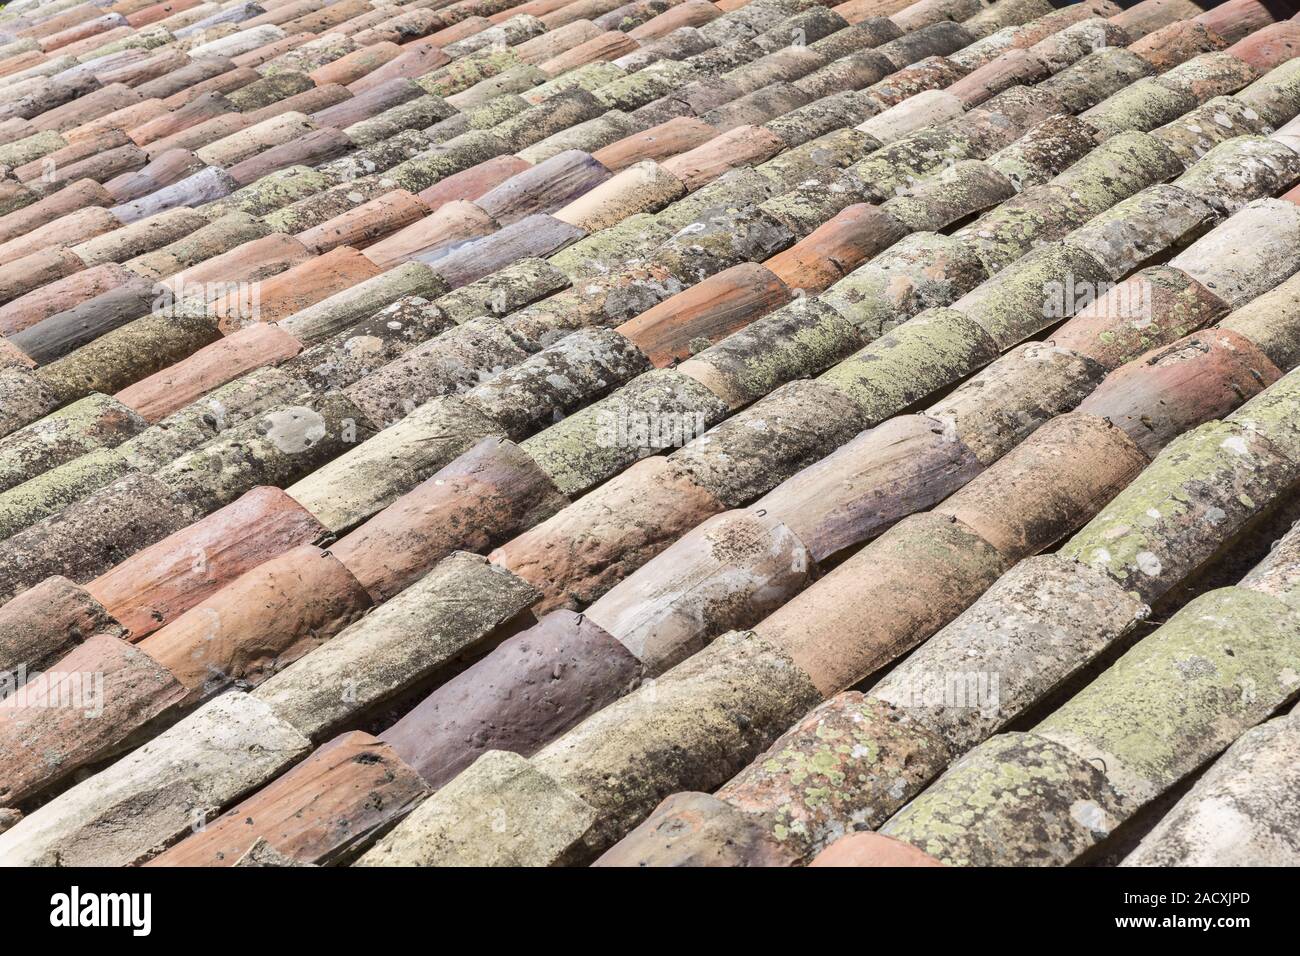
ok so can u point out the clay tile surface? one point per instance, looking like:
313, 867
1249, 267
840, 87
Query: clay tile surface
608, 415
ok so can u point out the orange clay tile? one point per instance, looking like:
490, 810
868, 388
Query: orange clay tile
259, 622
872, 849
155, 586
177, 385
677, 135
367, 223
453, 223
473, 182
836, 248
742, 146
304, 284
701, 315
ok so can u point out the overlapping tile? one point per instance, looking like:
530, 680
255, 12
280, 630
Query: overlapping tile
706, 240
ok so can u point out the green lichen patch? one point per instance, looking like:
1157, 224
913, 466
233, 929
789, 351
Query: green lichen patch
956, 192
923, 270
1146, 104
817, 157
635, 90
1194, 134
1096, 77
691, 729
50, 492
1273, 415
1026, 296
1200, 490
1016, 800
1045, 150
606, 250
917, 358
848, 765
1220, 665
465, 72
891, 171
595, 443
1275, 95
270, 192
589, 76
1240, 170
799, 340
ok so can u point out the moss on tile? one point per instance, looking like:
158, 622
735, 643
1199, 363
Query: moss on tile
31, 148
1241, 170
733, 191
1023, 298
634, 90
753, 451
588, 136
497, 111
94, 422
824, 155
956, 192
1273, 414
1095, 77
425, 169
812, 203
682, 731
1202, 488
129, 353
719, 240
465, 72
839, 111
1220, 665
268, 193
1146, 104
590, 76
270, 89
597, 442
418, 113
318, 207
25, 398
921, 271
798, 340
1194, 134
919, 357
609, 249
1044, 151
1275, 95
276, 449
1016, 800
848, 765
565, 109
375, 158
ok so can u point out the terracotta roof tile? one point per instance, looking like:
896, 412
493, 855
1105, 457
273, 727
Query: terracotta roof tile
508, 216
